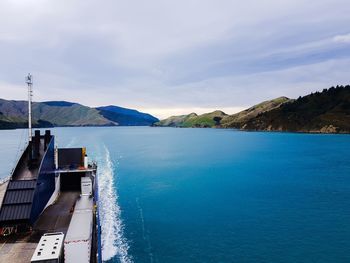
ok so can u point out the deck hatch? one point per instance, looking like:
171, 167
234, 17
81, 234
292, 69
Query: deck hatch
18, 200
15, 212
19, 196
22, 184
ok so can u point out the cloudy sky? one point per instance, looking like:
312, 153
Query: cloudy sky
173, 57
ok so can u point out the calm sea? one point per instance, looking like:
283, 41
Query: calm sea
208, 195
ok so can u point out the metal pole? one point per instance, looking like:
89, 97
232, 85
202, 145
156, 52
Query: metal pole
29, 81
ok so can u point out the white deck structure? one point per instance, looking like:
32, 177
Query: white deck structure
49, 248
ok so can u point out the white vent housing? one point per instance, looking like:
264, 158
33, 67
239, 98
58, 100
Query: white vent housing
49, 248
86, 186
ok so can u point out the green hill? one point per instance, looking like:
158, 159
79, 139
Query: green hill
236, 120
13, 114
327, 112
71, 115
175, 121
206, 120
219, 118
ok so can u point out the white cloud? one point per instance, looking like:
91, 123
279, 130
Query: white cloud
342, 38
12, 91
166, 56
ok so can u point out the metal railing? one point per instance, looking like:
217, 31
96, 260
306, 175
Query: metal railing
4, 180
18, 158
98, 224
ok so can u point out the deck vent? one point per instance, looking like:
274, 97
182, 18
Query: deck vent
49, 249
86, 186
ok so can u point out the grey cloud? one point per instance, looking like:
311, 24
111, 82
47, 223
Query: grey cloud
165, 54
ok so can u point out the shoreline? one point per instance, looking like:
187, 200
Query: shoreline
178, 127
248, 130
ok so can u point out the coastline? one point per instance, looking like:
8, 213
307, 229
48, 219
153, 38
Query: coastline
253, 130
216, 127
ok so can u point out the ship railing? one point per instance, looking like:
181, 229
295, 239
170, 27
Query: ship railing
98, 224
18, 158
5, 179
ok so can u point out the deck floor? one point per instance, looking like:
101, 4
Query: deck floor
56, 218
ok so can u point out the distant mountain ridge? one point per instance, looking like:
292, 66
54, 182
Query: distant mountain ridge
126, 117
13, 114
235, 120
320, 112
325, 112
206, 120
59, 103
219, 119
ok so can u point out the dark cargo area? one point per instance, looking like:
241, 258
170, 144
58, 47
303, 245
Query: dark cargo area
71, 181
70, 158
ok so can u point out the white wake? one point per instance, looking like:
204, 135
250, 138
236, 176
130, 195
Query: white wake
114, 243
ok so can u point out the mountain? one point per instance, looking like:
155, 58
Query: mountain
176, 121
219, 118
236, 120
325, 112
13, 114
126, 117
206, 120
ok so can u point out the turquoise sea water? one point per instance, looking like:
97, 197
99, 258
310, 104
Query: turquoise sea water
207, 195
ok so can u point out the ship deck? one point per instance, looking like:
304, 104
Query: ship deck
55, 218
19, 248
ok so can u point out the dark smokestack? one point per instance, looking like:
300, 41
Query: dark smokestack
30, 153
47, 138
36, 150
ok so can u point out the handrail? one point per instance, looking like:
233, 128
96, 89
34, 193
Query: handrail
98, 225
4, 180
17, 160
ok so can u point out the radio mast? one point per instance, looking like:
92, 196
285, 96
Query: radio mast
29, 81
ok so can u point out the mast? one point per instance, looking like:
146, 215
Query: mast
29, 81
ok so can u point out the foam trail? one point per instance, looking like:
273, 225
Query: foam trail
114, 243
144, 233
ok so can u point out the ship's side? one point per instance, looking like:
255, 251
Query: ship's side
31, 184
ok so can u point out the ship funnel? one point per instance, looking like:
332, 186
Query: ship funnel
47, 138
36, 148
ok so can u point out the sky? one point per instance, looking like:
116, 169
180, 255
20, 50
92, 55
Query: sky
173, 57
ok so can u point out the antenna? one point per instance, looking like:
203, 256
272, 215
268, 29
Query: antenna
29, 81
